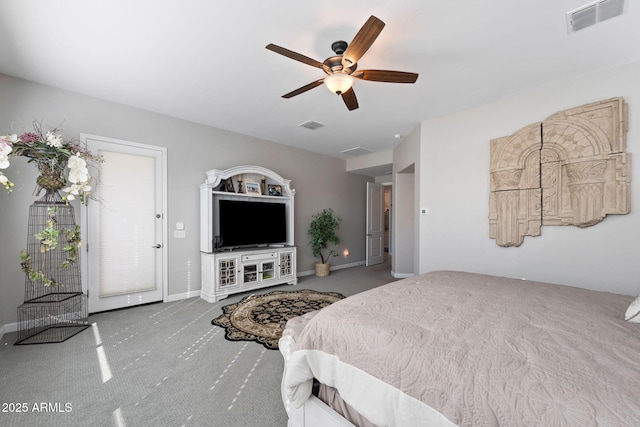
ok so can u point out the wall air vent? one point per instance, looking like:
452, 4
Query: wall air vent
592, 13
357, 151
311, 125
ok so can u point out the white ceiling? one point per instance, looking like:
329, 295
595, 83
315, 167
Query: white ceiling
205, 60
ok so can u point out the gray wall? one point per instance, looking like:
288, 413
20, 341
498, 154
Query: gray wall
455, 186
319, 181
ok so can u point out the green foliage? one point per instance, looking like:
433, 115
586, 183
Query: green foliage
49, 235
34, 275
71, 248
323, 231
48, 238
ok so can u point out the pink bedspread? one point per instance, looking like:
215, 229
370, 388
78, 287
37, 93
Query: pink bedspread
488, 351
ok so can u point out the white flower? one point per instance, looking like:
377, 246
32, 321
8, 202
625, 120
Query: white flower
54, 140
85, 187
76, 189
78, 172
72, 189
76, 161
5, 149
78, 175
10, 138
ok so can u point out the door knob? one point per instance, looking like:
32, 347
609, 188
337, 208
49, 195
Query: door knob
158, 246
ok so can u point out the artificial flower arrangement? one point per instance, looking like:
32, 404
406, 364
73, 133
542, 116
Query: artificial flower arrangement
52, 155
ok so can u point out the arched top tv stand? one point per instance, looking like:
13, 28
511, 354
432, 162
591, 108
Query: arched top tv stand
231, 184
228, 270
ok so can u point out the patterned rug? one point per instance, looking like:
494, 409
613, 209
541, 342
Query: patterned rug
262, 318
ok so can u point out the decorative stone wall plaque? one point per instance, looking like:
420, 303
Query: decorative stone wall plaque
570, 169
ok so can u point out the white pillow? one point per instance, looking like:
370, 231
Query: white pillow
633, 312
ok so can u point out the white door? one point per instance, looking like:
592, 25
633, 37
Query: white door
125, 227
375, 223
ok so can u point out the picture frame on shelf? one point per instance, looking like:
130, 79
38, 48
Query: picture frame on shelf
228, 185
252, 188
275, 190
221, 187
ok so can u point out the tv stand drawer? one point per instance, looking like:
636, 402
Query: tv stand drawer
257, 257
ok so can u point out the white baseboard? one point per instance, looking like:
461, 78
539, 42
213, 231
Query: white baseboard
8, 328
401, 275
332, 268
184, 295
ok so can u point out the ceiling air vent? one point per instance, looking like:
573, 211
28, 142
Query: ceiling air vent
592, 13
311, 125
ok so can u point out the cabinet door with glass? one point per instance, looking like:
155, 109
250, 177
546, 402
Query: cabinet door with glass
269, 270
258, 272
250, 273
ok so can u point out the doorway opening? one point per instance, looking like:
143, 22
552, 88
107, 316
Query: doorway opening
378, 224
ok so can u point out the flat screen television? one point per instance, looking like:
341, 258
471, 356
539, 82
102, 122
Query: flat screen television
246, 223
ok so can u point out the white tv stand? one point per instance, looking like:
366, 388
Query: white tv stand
226, 272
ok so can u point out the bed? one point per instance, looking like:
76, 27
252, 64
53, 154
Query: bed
453, 348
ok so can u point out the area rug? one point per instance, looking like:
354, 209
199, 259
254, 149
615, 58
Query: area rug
262, 318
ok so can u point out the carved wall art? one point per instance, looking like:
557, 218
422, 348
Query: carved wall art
570, 169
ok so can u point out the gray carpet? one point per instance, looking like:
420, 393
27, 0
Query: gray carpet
156, 365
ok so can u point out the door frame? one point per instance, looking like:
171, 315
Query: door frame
84, 260
368, 242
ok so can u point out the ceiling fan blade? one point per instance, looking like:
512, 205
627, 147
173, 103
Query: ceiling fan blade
362, 41
350, 100
386, 76
303, 89
294, 55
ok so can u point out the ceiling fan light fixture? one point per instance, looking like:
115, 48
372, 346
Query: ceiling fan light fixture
338, 82
341, 68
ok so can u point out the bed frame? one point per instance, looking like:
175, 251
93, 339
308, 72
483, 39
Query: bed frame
314, 412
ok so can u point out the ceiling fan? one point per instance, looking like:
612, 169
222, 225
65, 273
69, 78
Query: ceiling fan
341, 68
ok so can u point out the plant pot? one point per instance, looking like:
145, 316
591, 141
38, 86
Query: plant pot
322, 270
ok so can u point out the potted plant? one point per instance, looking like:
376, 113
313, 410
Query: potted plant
323, 231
